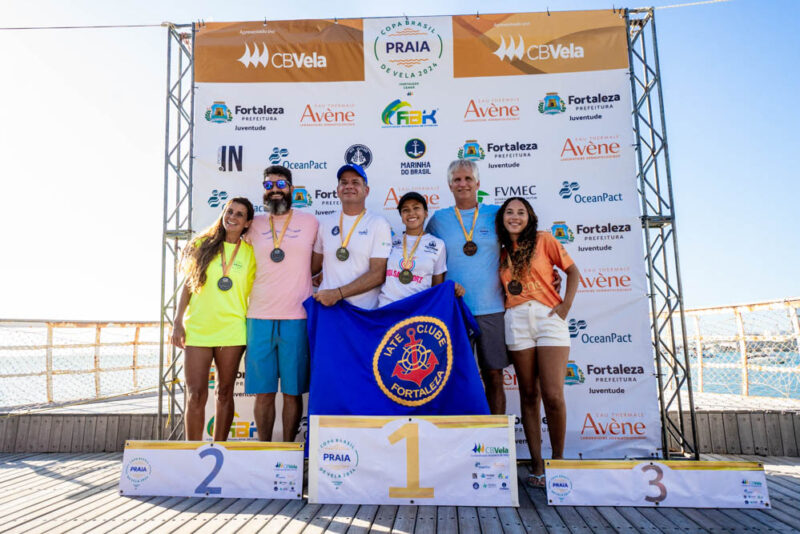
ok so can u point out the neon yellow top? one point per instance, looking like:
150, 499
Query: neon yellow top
216, 318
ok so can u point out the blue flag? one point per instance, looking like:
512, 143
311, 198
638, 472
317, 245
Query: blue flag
412, 357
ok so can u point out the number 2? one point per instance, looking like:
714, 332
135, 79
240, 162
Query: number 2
657, 483
204, 487
410, 432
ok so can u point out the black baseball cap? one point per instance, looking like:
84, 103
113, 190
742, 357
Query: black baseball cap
412, 195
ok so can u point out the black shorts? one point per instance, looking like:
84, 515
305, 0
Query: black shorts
491, 344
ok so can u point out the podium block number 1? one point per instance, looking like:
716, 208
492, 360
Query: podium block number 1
203, 488
409, 432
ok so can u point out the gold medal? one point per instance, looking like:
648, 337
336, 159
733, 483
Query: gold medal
470, 247
342, 253
277, 253
225, 283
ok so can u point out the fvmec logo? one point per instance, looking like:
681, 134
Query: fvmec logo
536, 52
280, 60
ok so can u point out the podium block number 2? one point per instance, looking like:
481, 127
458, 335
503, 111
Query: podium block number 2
204, 488
409, 432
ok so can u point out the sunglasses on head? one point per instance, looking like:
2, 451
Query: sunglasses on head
280, 184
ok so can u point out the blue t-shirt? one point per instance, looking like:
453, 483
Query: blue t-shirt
479, 273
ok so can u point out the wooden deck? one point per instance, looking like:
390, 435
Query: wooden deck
78, 493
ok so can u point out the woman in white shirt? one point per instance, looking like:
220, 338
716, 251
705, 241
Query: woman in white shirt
418, 260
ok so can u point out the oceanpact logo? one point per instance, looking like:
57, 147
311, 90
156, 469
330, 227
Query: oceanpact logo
300, 197
575, 374
492, 109
479, 449
576, 327
537, 52
588, 148
560, 486
239, 429
328, 115
408, 49
217, 197
219, 113
614, 426
358, 155
415, 148
137, 471
471, 151
568, 188
260, 57
278, 155
562, 232
338, 459
229, 158
413, 361
552, 104
395, 115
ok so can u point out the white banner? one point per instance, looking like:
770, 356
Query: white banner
467, 461
220, 469
683, 484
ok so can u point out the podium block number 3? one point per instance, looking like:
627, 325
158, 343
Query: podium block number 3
662, 490
409, 432
204, 488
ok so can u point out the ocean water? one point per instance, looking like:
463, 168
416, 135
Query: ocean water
779, 376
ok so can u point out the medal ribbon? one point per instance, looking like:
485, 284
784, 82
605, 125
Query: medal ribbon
461, 222
346, 240
277, 244
407, 257
226, 267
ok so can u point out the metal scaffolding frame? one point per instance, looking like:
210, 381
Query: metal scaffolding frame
658, 226
660, 237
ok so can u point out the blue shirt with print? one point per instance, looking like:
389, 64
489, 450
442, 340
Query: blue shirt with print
478, 273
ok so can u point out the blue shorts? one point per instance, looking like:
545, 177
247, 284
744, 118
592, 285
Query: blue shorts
276, 348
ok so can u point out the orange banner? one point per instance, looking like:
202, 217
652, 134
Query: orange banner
538, 43
280, 51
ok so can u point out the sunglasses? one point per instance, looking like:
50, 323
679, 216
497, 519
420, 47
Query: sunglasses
280, 184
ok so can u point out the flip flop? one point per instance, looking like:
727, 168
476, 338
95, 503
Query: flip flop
536, 481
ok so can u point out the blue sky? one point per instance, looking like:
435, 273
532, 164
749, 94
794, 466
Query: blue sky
83, 139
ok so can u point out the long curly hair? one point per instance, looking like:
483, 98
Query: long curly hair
203, 248
526, 241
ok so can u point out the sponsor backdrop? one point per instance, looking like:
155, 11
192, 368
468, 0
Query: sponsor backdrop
541, 102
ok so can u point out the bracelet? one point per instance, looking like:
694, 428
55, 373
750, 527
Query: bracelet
341, 295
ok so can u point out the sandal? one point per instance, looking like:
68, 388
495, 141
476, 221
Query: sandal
536, 481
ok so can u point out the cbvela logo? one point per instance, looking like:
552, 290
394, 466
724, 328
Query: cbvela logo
576, 327
217, 197
407, 50
614, 426
569, 190
328, 115
219, 113
536, 52
413, 361
137, 471
396, 115
229, 158
492, 109
480, 449
261, 58
358, 155
552, 104
605, 280
279, 155
587, 148
338, 459
614, 373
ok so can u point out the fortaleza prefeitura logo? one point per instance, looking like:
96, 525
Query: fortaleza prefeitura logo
413, 360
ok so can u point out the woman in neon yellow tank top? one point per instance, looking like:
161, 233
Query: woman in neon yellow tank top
210, 321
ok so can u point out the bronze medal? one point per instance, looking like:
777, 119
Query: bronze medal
277, 255
224, 283
342, 254
405, 276
515, 287
470, 248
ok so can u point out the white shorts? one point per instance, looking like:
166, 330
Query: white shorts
528, 326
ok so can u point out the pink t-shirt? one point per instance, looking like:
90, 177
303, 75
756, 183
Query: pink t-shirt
280, 288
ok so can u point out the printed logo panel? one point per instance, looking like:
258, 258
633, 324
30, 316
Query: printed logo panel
280, 51
538, 43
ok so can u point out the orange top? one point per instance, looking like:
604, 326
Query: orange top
537, 282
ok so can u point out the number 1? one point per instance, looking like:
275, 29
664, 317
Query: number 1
410, 432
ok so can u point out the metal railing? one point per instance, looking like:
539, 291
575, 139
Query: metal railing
56, 362
748, 349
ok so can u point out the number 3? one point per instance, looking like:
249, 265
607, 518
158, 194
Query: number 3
657, 483
204, 487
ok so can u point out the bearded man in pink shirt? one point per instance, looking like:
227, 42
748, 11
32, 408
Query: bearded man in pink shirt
277, 342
